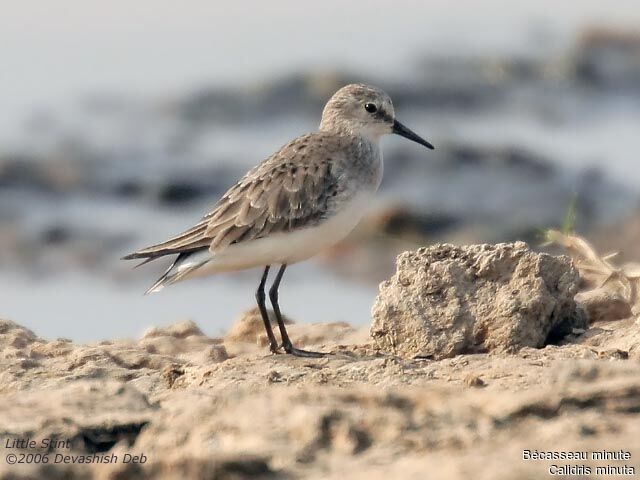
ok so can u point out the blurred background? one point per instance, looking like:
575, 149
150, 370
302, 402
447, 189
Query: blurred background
123, 122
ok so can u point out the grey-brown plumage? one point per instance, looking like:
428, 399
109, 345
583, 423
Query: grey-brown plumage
300, 200
297, 187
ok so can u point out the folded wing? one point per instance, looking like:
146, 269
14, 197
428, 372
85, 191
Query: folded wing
288, 191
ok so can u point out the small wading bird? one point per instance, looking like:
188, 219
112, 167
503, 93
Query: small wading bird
302, 199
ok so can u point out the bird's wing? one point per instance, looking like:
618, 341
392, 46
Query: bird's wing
289, 190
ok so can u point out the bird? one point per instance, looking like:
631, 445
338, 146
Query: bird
302, 199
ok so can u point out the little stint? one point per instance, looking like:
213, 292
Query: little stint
302, 199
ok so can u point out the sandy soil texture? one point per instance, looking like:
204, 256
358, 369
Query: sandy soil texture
197, 407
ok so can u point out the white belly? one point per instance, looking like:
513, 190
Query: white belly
283, 247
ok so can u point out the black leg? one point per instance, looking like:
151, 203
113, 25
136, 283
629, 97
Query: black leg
286, 341
260, 298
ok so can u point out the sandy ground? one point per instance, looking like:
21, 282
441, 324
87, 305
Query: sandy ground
188, 406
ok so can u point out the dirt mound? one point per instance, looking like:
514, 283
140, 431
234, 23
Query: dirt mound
446, 300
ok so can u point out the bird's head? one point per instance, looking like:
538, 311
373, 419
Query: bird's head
359, 109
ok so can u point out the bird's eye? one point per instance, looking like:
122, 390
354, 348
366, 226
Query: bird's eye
370, 107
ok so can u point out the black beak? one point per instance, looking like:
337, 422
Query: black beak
403, 131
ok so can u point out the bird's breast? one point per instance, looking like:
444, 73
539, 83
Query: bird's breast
366, 167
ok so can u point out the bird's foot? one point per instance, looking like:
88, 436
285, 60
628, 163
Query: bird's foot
297, 352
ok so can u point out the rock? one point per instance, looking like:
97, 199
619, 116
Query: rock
602, 304
447, 300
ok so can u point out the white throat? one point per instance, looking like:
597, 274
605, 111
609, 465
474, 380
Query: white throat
373, 133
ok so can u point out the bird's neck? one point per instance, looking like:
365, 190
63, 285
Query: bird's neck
370, 135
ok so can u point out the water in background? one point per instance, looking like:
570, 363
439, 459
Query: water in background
121, 135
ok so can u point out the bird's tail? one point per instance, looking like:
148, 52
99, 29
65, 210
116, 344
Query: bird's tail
183, 265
